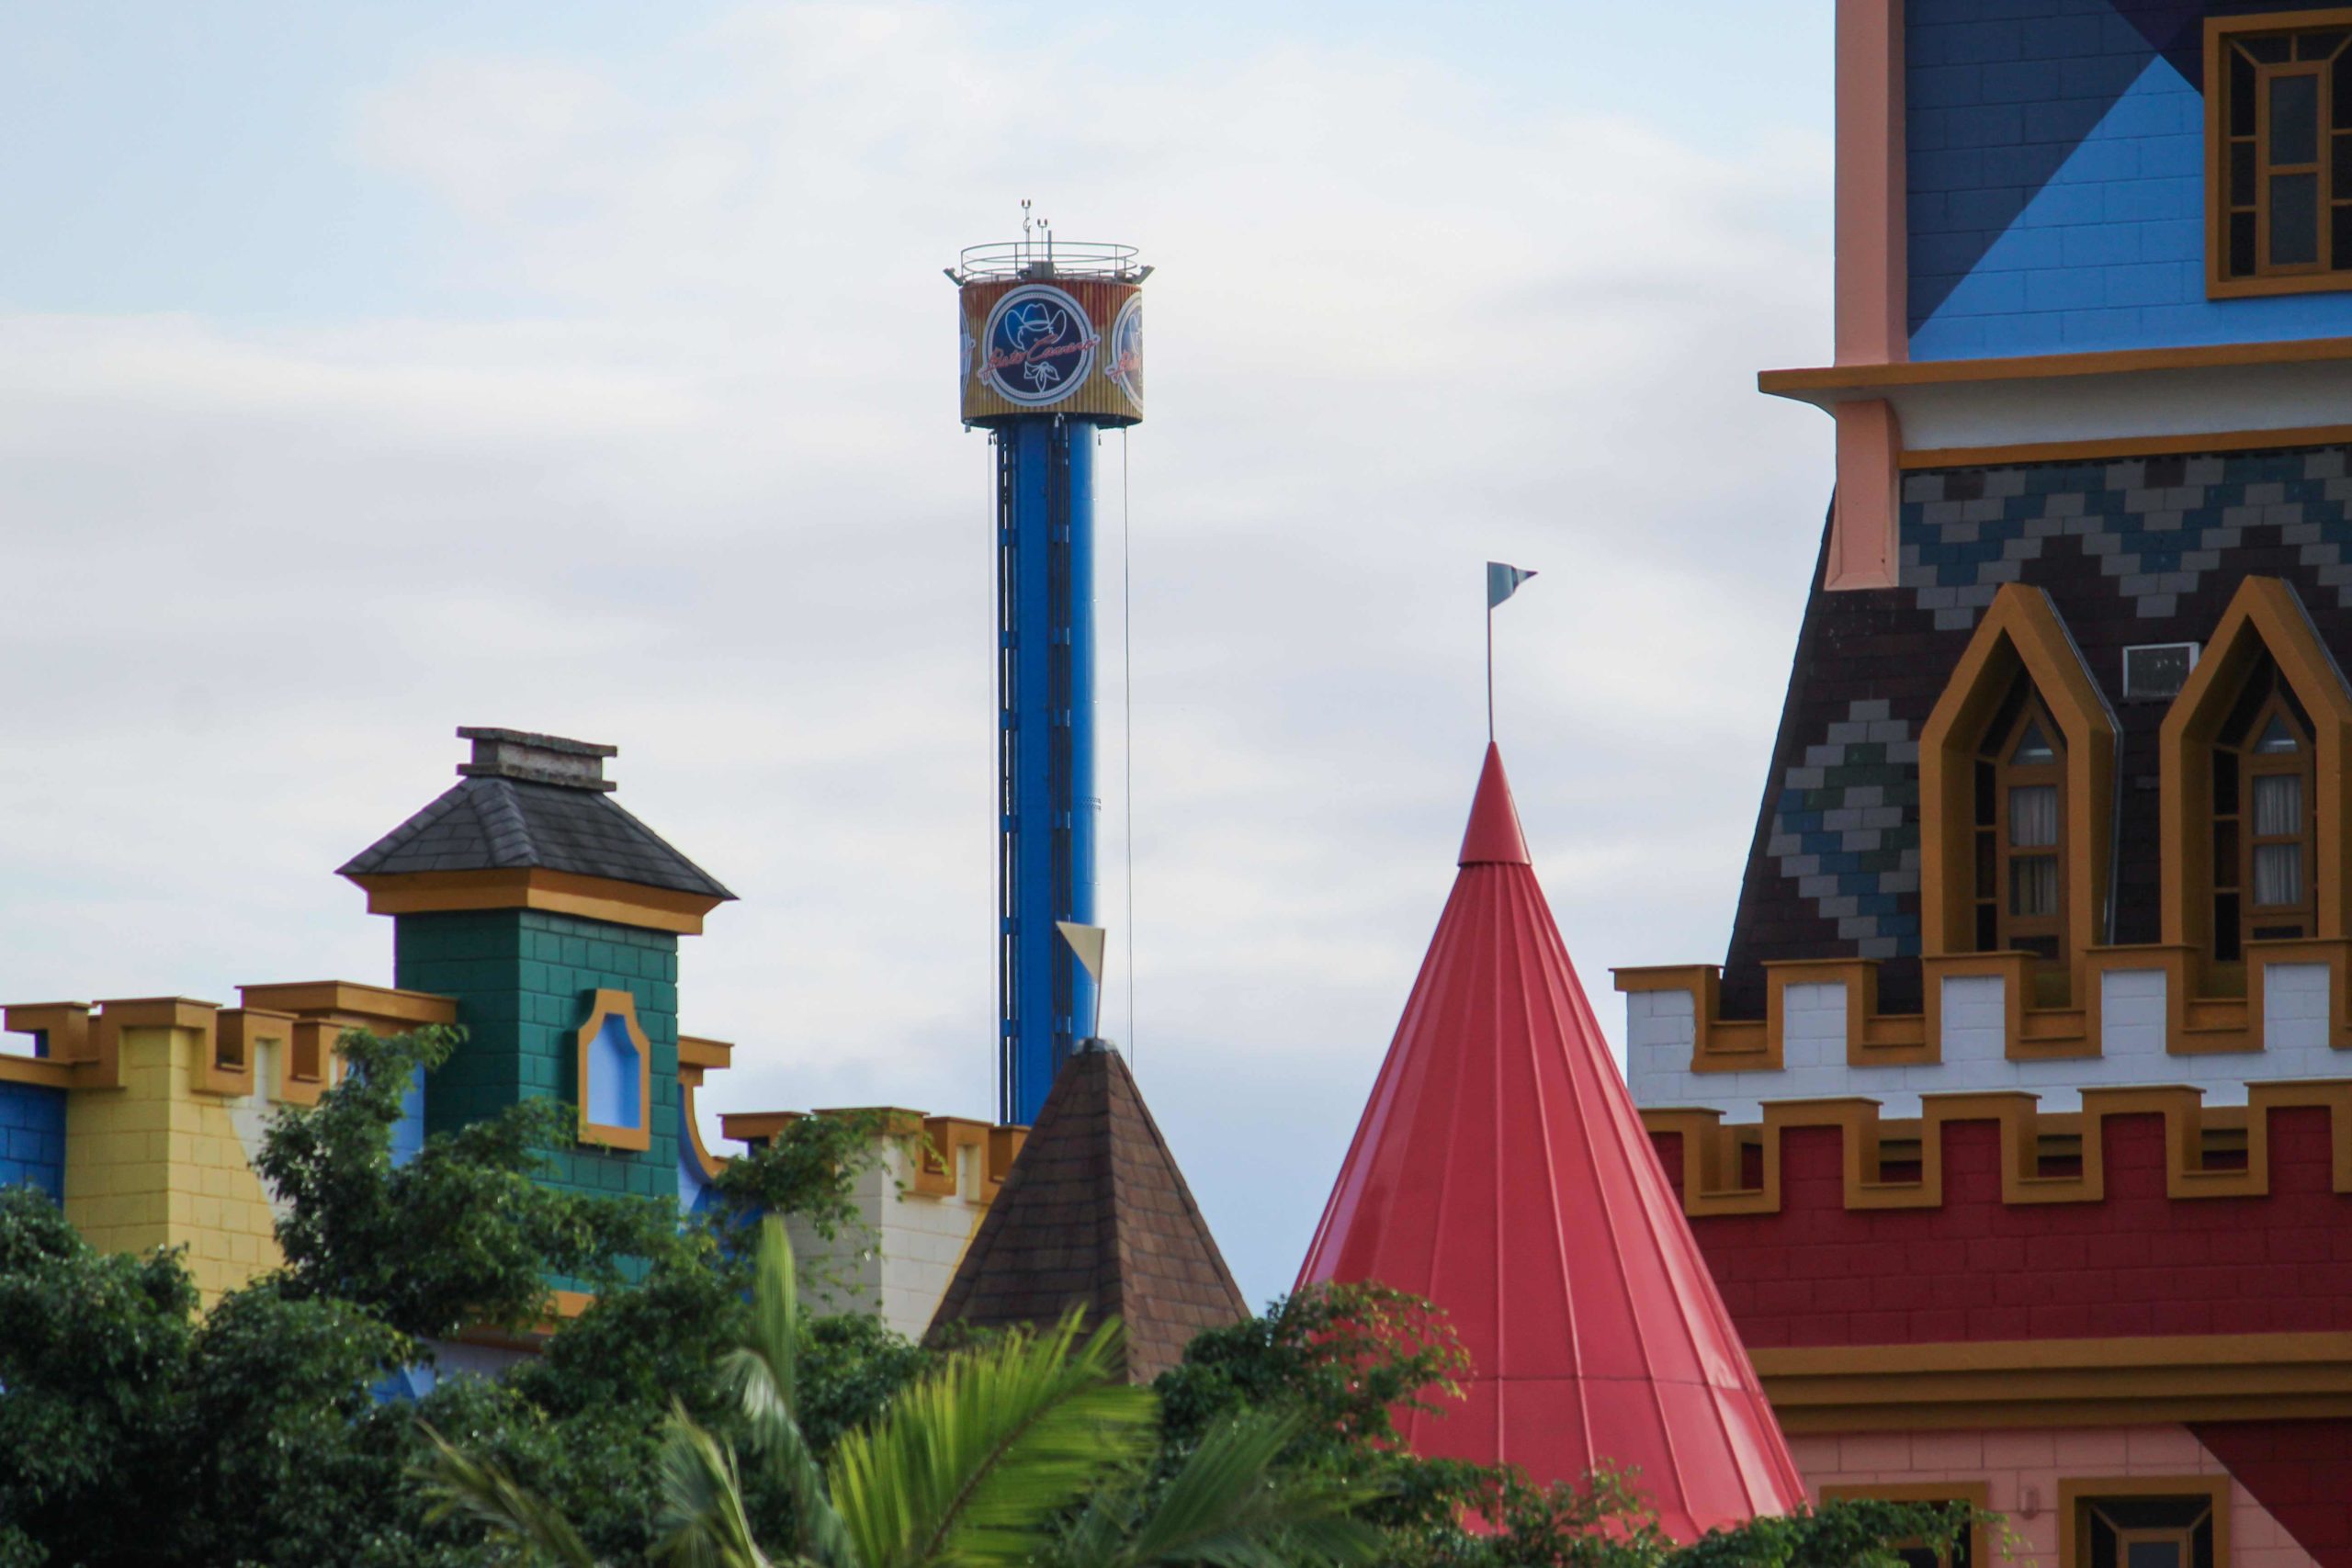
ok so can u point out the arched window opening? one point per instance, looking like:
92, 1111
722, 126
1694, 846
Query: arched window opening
2020, 826
2265, 822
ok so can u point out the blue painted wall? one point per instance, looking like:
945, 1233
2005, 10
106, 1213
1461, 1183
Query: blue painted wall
2057, 166
32, 1137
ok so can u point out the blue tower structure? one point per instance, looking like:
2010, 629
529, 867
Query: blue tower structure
1052, 353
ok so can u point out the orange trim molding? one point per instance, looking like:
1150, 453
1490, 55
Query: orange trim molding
589, 898
2021, 633
623, 1006
2059, 1382
2264, 616
1867, 379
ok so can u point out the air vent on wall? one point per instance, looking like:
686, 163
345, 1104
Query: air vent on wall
2155, 672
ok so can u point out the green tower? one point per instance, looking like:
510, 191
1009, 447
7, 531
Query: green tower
551, 916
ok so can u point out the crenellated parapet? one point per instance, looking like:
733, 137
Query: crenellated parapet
2141, 1022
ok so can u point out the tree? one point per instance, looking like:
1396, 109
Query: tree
985, 1462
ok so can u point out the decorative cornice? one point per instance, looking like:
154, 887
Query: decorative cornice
2058, 1382
557, 892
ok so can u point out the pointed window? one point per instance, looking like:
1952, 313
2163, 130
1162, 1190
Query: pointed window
2020, 831
2017, 770
2264, 826
2254, 817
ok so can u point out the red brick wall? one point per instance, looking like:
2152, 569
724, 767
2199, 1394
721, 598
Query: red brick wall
2297, 1469
2137, 1263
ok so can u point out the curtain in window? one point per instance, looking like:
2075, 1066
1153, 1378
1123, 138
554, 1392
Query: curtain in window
2033, 816
2278, 814
2278, 805
2033, 884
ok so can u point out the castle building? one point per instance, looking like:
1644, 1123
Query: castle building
2015, 1126
532, 911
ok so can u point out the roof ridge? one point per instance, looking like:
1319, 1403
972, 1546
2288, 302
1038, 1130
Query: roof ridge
501, 816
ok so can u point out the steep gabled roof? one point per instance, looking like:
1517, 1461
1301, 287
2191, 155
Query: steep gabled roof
1501, 1171
1095, 1214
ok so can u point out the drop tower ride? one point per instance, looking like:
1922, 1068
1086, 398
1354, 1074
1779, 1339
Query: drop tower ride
1051, 353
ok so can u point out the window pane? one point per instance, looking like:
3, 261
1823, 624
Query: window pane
2294, 219
1985, 795
2034, 747
2270, 51
2033, 817
2342, 254
1988, 858
2278, 740
2241, 172
2033, 884
2278, 805
2316, 46
2225, 926
2152, 1555
2343, 69
2277, 876
2225, 854
1987, 927
2294, 120
2241, 243
2240, 95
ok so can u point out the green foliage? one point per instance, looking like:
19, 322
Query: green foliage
808, 1170
695, 1410
464, 1234
1340, 1358
984, 1462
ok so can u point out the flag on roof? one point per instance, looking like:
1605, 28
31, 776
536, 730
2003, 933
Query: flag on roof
1501, 1170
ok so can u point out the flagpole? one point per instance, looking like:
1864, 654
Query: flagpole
1490, 670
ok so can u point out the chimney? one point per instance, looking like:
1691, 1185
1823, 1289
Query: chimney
536, 758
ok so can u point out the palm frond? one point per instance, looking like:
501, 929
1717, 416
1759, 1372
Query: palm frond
1230, 1508
488, 1495
764, 1376
703, 1521
973, 1464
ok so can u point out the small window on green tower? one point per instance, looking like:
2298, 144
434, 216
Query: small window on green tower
616, 1077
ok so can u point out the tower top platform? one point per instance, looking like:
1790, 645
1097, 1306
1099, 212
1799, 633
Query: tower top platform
1042, 258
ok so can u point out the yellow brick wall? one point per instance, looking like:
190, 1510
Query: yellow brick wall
155, 1164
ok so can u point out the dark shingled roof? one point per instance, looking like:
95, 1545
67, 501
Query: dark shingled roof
1094, 1212
506, 824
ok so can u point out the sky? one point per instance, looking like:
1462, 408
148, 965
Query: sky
373, 368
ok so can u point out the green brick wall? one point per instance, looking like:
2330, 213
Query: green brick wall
523, 980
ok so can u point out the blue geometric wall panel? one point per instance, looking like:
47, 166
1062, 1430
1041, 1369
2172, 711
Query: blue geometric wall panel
32, 1137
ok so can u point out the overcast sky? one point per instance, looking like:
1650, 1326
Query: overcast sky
367, 370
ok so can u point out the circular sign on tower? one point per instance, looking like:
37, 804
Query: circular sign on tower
1038, 346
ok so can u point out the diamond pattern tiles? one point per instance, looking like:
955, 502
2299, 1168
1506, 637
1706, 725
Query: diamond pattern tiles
2157, 526
1845, 829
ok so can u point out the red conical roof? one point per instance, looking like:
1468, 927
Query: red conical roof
1501, 1171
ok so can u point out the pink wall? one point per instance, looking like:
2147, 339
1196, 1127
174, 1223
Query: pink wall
2023, 1469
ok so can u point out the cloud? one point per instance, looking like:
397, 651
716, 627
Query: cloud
687, 478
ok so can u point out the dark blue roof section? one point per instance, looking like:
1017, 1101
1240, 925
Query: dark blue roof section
504, 824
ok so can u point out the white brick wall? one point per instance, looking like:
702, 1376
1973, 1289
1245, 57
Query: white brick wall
900, 1262
1661, 1030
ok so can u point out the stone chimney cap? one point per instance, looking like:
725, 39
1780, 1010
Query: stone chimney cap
536, 758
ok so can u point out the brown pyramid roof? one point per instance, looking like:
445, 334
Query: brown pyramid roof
1094, 1212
